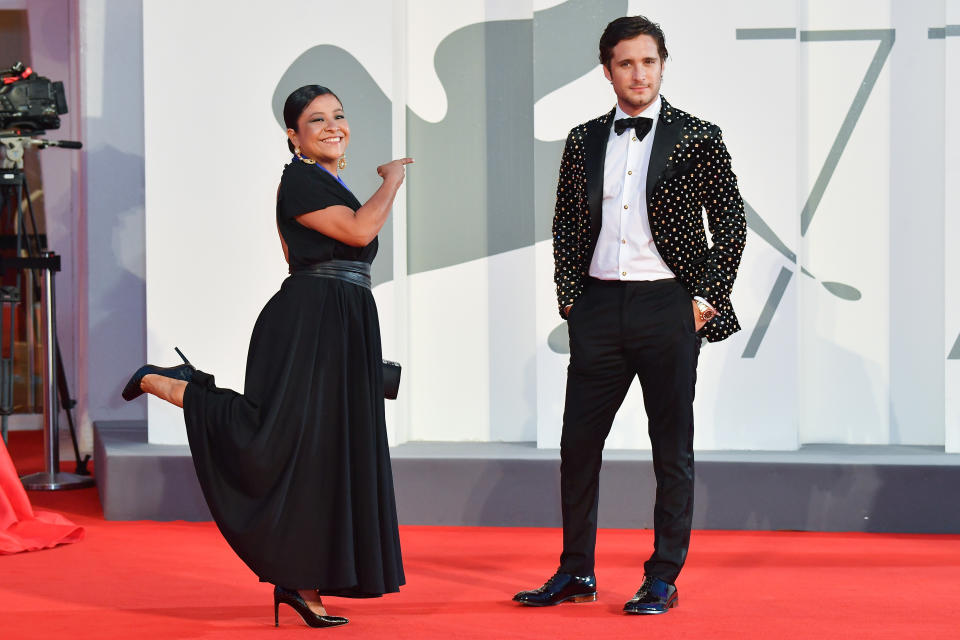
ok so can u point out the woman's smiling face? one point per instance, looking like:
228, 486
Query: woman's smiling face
322, 131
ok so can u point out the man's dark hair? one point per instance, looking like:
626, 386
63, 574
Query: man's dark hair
627, 28
300, 100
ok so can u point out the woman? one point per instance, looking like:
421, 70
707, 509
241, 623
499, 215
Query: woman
296, 470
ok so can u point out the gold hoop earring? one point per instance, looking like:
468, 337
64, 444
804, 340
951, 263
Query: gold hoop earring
301, 158
342, 163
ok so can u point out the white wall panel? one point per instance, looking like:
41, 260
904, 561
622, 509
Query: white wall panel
472, 358
917, 208
952, 229
111, 47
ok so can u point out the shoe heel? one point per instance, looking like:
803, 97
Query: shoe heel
276, 607
673, 603
180, 353
585, 598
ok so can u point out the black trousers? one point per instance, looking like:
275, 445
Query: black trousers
619, 330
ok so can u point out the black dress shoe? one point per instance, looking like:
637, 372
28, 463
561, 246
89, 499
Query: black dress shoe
181, 372
560, 588
654, 596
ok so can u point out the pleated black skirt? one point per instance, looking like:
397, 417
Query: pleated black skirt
296, 470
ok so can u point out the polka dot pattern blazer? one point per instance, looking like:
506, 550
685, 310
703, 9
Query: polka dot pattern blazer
690, 172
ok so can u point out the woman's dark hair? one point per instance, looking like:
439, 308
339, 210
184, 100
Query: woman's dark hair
300, 100
627, 28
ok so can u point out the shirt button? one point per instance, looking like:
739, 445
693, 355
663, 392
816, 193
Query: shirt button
634, 138
629, 173
623, 273
626, 206
624, 241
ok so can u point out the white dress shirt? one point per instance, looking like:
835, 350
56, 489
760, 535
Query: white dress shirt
625, 249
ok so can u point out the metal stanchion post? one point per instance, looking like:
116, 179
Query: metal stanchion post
31, 358
51, 479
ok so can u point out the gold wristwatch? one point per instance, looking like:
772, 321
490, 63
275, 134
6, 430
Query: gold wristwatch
707, 313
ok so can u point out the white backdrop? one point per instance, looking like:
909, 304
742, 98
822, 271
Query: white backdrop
818, 359
952, 228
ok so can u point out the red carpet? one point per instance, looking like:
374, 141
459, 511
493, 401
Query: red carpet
181, 580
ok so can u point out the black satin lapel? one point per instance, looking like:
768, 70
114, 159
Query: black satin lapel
595, 155
664, 140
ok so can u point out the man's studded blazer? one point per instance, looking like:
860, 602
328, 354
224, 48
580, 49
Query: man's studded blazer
689, 173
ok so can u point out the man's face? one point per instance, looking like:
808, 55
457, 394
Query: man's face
635, 69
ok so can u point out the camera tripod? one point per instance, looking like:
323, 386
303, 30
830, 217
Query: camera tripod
31, 256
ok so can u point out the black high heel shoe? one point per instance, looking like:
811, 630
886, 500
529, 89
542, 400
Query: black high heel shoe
180, 372
294, 599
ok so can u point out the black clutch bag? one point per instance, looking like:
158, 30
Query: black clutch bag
391, 379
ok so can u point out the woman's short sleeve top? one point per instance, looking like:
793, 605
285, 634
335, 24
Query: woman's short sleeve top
305, 188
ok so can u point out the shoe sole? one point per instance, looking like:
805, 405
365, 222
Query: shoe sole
653, 612
586, 597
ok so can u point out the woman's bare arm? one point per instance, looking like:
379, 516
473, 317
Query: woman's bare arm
359, 228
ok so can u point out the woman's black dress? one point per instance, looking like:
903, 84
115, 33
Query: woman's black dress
296, 471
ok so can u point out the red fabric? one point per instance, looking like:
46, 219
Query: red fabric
22, 528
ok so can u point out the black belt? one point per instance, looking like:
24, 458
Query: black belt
354, 271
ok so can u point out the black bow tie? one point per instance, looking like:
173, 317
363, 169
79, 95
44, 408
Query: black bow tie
640, 125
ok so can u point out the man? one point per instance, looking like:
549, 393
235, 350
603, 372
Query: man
639, 286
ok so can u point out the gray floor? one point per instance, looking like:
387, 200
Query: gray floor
818, 488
